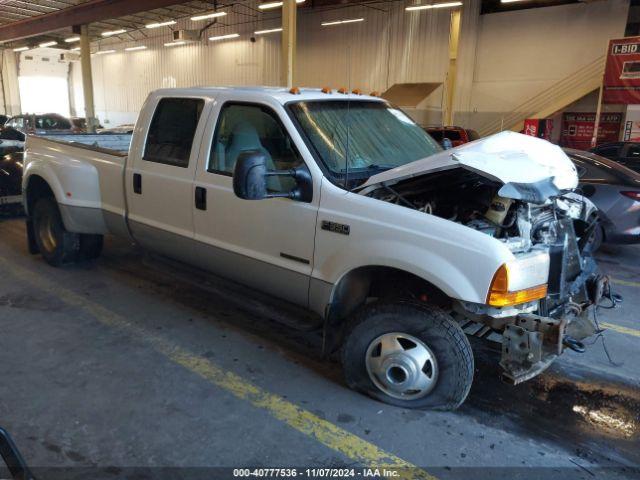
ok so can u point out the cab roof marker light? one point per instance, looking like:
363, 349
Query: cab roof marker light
224, 37
340, 22
206, 16
271, 30
270, 5
433, 5
110, 33
161, 24
72, 39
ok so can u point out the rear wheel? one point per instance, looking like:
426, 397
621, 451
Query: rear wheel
410, 355
55, 243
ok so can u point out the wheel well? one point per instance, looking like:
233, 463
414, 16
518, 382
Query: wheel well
37, 188
379, 282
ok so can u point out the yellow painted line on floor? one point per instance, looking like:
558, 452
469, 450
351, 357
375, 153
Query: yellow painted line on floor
355, 448
626, 283
620, 329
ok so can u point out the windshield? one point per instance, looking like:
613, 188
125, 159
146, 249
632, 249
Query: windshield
379, 137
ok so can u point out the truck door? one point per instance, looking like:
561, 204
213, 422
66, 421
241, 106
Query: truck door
160, 178
266, 244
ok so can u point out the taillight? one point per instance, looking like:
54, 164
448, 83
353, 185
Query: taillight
632, 195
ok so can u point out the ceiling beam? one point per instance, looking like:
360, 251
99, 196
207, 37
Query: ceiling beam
84, 13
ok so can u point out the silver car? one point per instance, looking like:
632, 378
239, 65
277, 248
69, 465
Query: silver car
615, 190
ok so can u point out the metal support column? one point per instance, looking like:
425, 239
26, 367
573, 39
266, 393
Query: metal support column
87, 79
450, 84
288, 56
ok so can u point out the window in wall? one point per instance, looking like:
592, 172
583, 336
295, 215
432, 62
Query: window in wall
172, 130
243, 128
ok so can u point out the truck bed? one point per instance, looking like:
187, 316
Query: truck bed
86, 179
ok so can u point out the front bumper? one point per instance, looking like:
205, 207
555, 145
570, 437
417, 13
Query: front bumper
532, 342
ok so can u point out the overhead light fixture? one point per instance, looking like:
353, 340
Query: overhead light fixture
20, 49
174, 44
224, 37
270, 5
511, 1
206, 16
72, 39
434, 5
340, 22
102, 52
271, 30
113, 32
48, 44
161, 24
133, 49
76, 49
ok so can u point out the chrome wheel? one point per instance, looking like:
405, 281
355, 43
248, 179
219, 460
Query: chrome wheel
47, 234
402, 366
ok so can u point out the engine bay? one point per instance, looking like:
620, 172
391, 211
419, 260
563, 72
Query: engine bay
472, 200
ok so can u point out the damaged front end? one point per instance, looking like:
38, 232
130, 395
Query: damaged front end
542, 302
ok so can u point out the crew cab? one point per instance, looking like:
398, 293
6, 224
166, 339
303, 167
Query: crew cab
342, 205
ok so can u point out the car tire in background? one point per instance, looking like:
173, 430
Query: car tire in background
56, 245
408, 354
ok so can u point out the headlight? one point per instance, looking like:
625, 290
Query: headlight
519, 281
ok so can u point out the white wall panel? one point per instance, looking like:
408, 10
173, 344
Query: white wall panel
389, 46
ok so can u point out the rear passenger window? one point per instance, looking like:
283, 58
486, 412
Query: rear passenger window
172, 130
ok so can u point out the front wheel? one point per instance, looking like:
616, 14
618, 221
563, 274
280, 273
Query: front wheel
410, 355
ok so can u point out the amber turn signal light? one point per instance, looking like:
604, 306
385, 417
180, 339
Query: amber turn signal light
500, 296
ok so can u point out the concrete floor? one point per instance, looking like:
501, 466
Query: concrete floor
122, 369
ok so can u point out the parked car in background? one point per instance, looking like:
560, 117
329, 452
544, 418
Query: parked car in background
3, 120
80, 124
119, 130
457, 135
625, 153
615, 190
11, 182
40, 124
10, 138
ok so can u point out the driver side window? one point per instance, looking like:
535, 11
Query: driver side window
242, 128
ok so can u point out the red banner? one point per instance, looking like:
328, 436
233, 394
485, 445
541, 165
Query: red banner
622, 72
577, 129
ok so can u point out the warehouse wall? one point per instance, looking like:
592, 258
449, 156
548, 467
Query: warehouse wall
391, 45
523, 52
10, 99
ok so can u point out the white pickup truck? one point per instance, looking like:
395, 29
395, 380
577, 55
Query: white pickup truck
342, 205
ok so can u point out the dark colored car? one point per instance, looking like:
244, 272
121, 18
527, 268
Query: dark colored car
40, 124
80, 124
11, 181
3, 120
457, 135
615, 190
625, 153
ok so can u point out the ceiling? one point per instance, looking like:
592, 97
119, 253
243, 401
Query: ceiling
16, 10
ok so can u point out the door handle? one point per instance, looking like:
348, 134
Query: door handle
201, 198
137, 183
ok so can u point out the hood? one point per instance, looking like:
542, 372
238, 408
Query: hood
508, 157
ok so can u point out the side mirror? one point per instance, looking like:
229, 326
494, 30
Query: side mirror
250, 179
250, 176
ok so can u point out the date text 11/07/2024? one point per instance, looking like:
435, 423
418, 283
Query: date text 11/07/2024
316, 472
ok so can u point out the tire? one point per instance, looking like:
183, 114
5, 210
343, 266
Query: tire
56, 245
90, 246
448, 370
596, 239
